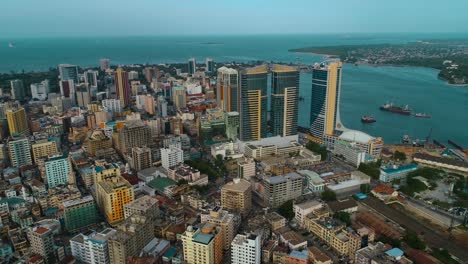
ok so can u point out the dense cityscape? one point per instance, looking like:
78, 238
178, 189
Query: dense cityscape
205, 163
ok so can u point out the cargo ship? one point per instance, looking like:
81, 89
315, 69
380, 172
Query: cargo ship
368, 119
422, 115
396, 109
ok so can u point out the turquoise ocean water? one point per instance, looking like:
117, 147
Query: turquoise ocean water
364, 88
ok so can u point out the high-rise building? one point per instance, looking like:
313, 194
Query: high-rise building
253, 103
151, 73
225, 221
112, 194
284, 100
20, 152
104, 64
145, 205
17, 90
141, 158
40, 90
67, 88
92, 248
131, 237
325, 105
246, 249
192, 66
42, 243
171, 156
209, 65
90, 78
17, 122
80, 213
202, 245
232, 121
68, 72
236, 196
112, 105
58, 170
44, 149
179, 96
227, 89
246, 168
83, 95
122, 87
280, 189
134, 134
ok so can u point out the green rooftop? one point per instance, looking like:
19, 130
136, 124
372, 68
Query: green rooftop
160, 183
203, 238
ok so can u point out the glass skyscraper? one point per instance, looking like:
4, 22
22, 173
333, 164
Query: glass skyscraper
284, 100
326, 87
253, 103
227, 89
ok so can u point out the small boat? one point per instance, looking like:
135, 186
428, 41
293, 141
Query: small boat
368, 119
10, 45
406, 139
423, 115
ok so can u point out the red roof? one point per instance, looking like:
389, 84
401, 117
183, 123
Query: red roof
41, 230
384, 189
421, 257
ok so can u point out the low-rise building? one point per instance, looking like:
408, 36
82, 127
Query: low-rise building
92, 248
394, 172
280, 189
236, 196
246, 249
303, 209
313, 181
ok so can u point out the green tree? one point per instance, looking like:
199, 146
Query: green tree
372, 169
182, 182
388, 240
398, 155
365, 188
344, 217
286, 210
413, 240
317, 148
328, 195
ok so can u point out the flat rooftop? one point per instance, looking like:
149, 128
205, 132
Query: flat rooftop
240, 186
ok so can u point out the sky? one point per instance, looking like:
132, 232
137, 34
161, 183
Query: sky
57, 18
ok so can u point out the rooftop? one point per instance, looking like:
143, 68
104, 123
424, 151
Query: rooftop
400, 168
239, 185
283, 68
448, 161
203, 238
77, 201
337, 206
308, 204
283, 178
356, 136
160, 183
142, 203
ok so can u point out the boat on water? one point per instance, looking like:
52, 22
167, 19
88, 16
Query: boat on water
368, 119
422, 115
406, 139
402, 110
10, 45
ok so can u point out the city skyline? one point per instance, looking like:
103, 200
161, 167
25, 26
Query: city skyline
341, 17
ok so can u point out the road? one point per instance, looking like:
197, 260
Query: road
433, 238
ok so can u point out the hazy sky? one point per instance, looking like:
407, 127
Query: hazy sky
35, 18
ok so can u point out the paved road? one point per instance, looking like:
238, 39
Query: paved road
433, 238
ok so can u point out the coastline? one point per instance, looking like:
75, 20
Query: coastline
328, 56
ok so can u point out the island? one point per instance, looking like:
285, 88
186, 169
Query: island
448, 56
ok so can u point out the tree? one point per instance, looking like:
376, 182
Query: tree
365, 188
286, 210
314, 147
413, 240
328, 195
371, 169
182, 182
344, 217
398, 155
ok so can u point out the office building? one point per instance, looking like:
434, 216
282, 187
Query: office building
17, 121
17, 90
80, 213
192, 66
122, 87
303, 209
236, 196
133, 134
394, 172
227, 89
232, 122
42, 243
284, 100
112, 105
67, 88
280, 189
226, 223
141, 158
19, 151
209, 65
253, 103
145, 205
201, 245
112, 194
179, 96
83, 95
171, 157
246, 249
325, 105
59, 171
68, 72
96, 141
151, 73
90, 78
132, 235
104, 64
92, 247
44, 149
246, 168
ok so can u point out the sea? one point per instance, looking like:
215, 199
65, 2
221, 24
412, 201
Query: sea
364, 87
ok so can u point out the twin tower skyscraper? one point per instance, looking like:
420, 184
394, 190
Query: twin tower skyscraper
246, 92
